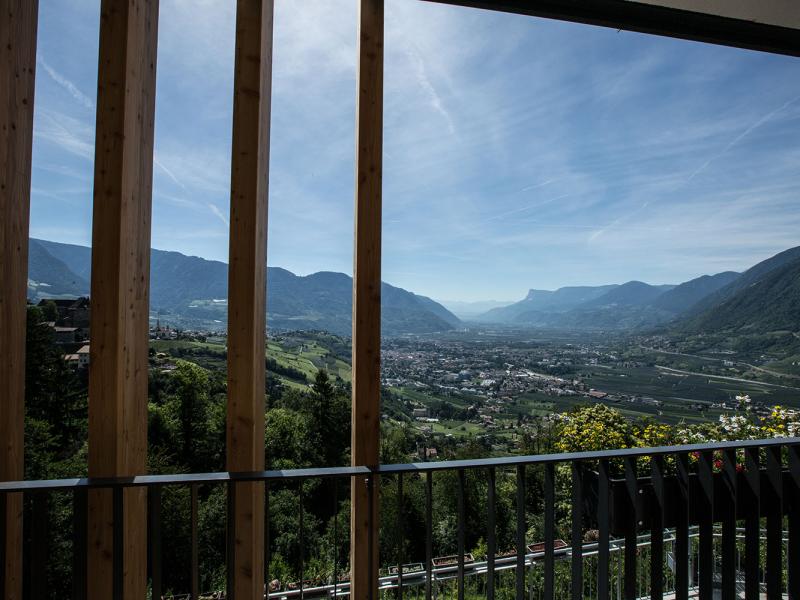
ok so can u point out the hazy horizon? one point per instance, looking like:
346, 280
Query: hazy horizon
541, 155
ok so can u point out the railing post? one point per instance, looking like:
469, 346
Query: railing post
631, 528
728, 549
752, 523
793, 504
705, 511
773, 497
657, 529
123, 175
154, 513
18, 27
39, 554
603, 542
577, 531
549, 530
682, 543
247, 291
367, 299
522, 527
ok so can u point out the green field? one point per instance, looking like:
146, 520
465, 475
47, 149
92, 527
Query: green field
302, 352
309, 357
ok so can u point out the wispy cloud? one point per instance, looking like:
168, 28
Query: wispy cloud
424, 81
65, 83
72, 135
539, 154
169, 173
538, 185
218, 213
527, 208
741, 136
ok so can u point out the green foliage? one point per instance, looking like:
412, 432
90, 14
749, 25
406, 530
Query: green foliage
309, 425
594, 427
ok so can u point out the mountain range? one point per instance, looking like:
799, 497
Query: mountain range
188, 291
191, 292
765, 298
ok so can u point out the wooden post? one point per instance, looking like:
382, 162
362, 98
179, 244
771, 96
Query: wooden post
367, 298
123, 174
18, 24
247, 278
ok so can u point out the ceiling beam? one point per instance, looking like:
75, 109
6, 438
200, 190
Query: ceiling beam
670, 18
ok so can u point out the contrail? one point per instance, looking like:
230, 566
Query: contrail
169, 173
66, 84
704, 166
526, 208
741, 136
219, 214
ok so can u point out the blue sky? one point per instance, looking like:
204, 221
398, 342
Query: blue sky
518, 152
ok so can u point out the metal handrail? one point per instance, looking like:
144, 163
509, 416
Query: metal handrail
392, 469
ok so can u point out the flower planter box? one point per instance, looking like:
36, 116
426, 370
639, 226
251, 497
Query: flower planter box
559, 547
619, 502
451, 560
307, 583
407, 569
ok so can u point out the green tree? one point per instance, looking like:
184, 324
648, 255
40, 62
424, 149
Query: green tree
329, 413
49, 310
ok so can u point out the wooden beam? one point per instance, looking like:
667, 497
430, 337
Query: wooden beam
671, 18
247, 279
18, 24
367, 297
123, 175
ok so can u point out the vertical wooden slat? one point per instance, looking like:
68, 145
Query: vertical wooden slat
247, 286
119, 288
18, 26
367, 295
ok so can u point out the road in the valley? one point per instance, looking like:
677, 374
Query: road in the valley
737, 379
735, 362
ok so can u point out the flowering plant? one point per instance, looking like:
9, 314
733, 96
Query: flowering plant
600, 427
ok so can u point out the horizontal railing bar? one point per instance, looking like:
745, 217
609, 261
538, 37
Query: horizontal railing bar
538, 459
362, 471
181, 479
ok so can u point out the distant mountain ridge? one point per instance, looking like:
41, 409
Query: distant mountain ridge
191, 292
543, 301
686, 295
766, 297
612, 306
748, 278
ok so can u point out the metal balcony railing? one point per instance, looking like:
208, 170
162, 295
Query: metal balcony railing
708, 521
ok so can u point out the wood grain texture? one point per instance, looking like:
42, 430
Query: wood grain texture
18, 29
247, 280
120, 284
367, 294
